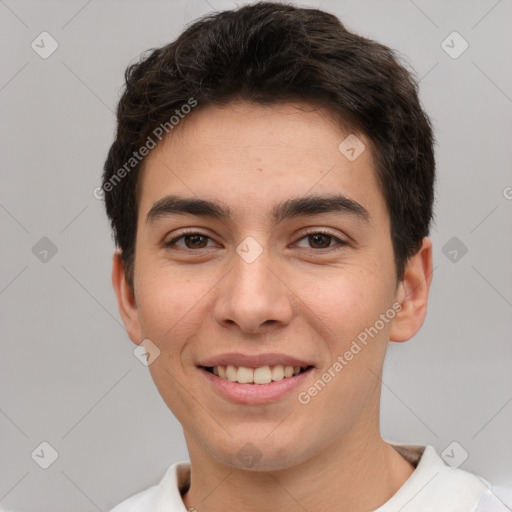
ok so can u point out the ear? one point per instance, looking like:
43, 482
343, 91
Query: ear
412, 294
126, 299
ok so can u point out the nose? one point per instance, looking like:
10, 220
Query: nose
254, 297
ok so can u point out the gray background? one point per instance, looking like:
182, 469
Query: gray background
68, 373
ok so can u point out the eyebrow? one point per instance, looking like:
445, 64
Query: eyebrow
291, 208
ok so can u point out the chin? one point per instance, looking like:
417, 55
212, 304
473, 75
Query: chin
253, 453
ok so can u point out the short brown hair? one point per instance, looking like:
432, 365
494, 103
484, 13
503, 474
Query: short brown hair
269, 52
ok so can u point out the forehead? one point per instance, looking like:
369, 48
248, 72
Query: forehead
251, 157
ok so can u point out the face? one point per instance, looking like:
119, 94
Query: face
262, 279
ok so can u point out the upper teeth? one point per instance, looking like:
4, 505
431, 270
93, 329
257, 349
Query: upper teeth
262, 375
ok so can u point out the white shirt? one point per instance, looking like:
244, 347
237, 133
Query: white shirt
433, 487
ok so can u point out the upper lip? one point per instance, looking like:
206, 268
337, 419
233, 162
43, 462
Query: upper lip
253, 361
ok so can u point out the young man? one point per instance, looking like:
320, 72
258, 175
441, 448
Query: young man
270, 190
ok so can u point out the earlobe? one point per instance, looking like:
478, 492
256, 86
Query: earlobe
125, 299
413, 294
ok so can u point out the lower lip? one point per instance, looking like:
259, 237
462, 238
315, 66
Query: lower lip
255, 394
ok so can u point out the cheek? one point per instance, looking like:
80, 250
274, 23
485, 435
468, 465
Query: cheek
170, 306
346, 313
346, 302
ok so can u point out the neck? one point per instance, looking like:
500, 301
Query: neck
356, 475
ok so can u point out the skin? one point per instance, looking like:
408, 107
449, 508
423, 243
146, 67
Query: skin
294, 299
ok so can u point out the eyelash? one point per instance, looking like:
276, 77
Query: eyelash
340, 244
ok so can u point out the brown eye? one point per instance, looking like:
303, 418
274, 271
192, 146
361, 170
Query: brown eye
189, 241
319, 240
195, 241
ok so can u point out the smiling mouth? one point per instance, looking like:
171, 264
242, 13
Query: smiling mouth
261, 375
